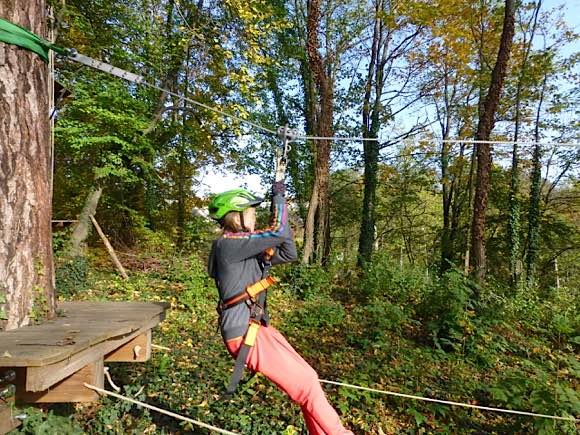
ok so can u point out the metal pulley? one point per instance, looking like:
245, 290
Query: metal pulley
286, 136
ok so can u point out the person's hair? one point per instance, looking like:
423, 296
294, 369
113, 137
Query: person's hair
231, 222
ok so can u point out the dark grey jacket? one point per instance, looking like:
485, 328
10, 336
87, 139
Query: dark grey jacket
235, 263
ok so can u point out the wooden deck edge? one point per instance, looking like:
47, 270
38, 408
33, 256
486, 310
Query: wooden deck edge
6, 361
40, 378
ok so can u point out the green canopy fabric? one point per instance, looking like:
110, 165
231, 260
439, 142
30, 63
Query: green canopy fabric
11, 33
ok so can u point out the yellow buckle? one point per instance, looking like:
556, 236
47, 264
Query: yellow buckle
252, 334
258, 287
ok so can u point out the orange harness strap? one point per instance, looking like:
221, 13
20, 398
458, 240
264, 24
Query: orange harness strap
250, 292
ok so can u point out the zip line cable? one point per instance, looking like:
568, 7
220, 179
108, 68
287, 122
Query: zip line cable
449, 402
501, 142
160, 410
12, 33
140, 80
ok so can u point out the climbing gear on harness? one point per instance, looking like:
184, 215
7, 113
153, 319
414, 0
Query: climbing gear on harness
232, 200
250, 293
286, 135
255, 296
12, 33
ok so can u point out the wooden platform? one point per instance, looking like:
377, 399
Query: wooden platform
53, 360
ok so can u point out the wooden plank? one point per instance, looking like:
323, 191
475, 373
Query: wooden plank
41, 378
85, 324
110, 249
136, 350
7, 422
68, 390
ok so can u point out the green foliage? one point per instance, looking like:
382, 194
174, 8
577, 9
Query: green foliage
308, 281
38, 422
448, 308
119, 416
385, 278
71, 276
320, 312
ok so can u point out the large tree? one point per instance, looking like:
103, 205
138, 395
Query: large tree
484, 128
26, 263
317, 229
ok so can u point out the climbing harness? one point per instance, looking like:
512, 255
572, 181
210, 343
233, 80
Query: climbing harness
255, 298
249, 294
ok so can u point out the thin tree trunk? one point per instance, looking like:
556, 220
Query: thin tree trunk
484, 128
83, 225
370, 128
447, 191
514, 217
26, 263
534, 211
470, 192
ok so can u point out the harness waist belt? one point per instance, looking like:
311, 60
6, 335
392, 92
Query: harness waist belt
249, 293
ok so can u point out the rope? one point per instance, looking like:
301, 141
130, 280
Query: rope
162, 411
448, 402
111, 383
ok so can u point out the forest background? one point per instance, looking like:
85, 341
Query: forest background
387, 280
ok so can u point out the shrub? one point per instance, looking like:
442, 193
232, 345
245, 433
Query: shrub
71, 276
307, 281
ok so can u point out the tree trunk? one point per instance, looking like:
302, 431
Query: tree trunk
26, 263
514, 217
484, 128
534, 211
371, 149
319, 206
82, 227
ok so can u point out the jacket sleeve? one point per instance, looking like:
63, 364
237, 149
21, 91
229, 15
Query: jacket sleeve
286, 252
239, 246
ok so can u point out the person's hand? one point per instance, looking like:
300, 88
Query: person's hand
279, 188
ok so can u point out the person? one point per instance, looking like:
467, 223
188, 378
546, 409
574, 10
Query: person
239, 259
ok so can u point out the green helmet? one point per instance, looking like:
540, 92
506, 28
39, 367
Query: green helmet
232, 200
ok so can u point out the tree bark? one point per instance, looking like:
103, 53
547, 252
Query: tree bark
534, 208
370, 127
514, 219
26, 263
484, 128
317, 226
82, 227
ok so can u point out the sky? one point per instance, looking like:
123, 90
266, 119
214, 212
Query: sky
215, 180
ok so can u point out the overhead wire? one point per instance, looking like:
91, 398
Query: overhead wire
135, 78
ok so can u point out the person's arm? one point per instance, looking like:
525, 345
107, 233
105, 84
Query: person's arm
239, 246
286, 252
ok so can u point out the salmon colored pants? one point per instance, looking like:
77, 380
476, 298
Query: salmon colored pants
273, 356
